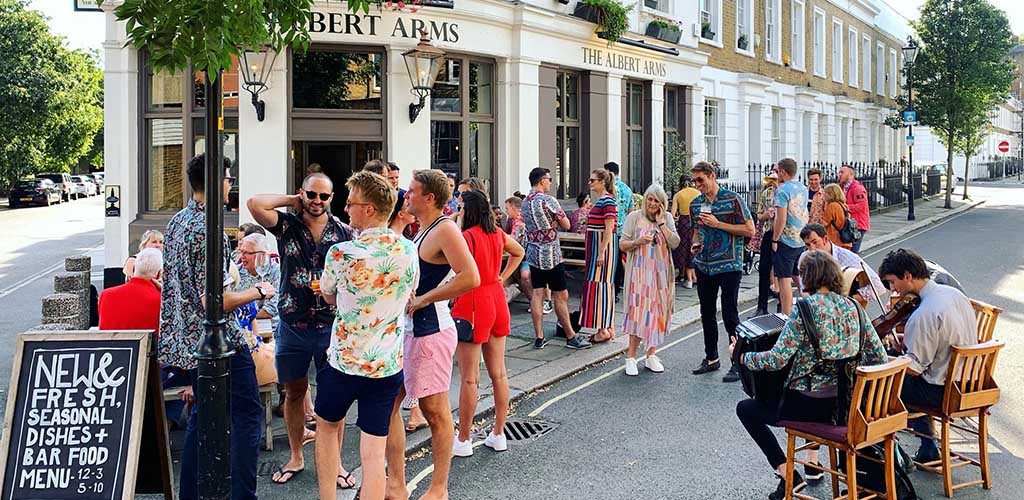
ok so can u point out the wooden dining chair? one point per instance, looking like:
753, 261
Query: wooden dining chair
970, 391
876, 415
986, 314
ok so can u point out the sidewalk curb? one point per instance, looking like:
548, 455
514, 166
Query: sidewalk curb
529, 382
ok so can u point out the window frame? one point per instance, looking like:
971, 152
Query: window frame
798, 40
893, 75
747, 28
713, 9
382, 82
865, 76
773, 45
778, 133
467, 118
629, 170
712, 107
565, 186
880, 69
837, 49
820, 43
853, 66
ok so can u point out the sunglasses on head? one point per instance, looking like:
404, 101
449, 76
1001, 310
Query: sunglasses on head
311, 195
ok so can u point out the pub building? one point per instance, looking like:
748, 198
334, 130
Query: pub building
521, 85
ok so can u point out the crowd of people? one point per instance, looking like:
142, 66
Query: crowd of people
418, 279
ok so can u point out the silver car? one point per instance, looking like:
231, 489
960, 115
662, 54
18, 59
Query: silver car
84, 185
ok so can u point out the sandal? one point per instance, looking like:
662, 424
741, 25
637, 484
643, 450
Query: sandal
281, 472
349, 481
411, 427
308, 436
595, 340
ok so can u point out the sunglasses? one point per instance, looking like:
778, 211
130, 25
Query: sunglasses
311, 195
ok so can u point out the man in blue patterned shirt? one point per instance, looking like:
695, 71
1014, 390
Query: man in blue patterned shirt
181, 330
722, 221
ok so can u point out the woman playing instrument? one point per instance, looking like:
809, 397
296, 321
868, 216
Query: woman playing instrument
811, 389
597, 306
835, 215
487, 310
684, 227
648, 239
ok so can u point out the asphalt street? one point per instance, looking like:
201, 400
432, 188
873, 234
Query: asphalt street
32, 250
675, 435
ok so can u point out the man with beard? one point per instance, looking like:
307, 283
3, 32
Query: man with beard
304, 330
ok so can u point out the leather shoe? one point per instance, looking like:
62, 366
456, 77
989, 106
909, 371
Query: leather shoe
924, 456
706, 367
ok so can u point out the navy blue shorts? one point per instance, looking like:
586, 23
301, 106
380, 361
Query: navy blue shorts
336, 391
785, 259
296, 348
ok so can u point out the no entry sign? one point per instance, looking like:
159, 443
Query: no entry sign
1004, 147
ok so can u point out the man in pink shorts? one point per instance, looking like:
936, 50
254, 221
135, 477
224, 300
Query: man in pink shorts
430, 347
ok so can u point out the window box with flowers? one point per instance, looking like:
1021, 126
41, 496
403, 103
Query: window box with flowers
706, 32
609, 15
665, 30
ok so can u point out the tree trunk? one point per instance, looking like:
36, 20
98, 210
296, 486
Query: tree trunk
967, 167
949, 174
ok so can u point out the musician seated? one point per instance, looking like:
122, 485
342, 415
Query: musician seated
944, 319
815, 239
811, 389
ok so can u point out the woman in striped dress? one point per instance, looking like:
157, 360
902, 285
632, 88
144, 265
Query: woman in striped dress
648, 237
598, 303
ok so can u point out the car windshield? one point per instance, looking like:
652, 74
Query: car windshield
52, 177
27, 184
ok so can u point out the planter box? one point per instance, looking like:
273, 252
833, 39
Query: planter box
664, 34
587, 12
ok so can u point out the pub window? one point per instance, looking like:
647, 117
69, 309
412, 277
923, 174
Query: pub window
229, 138
462, 136
634, 134
567, 134
331, 79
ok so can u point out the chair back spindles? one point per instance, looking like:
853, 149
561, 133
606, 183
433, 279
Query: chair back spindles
986, 315
969, 381
876, 398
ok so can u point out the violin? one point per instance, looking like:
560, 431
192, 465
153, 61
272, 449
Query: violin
886, 323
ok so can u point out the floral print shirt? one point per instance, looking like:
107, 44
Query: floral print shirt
836, 317
373, 277
181, 307
541, 213
302, 260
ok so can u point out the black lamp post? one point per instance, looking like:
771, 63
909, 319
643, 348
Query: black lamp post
256, 65
909, 54
423, 63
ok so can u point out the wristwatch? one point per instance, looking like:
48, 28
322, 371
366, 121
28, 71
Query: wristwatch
662, 224
262, 295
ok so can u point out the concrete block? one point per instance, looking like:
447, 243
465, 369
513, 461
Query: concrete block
50, 327
78, 263
61, 305
73, 321
71, 282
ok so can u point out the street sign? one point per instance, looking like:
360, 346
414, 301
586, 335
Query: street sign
1004, 147
909, 117
113, 200
910, 140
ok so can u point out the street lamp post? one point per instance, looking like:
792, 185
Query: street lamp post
909, 54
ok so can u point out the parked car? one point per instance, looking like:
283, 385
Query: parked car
96, 179
940, 169
34, 191
64, 183
84, 185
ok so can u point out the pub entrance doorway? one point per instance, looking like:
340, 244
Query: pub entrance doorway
337, 160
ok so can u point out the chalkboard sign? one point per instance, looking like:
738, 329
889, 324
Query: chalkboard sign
74, 415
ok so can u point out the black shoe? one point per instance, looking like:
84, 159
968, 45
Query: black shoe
813, 474
540, 343
758, 312
706, 367
733, 375
577, 342
780, 490
924, 456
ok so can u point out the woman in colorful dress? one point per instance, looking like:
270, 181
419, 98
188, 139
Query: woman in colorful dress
487, 311
681, 256
597, 306
648, 238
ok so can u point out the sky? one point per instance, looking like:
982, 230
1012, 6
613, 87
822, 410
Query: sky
85, 29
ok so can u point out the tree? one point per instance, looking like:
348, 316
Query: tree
52, 97
961, 68
677, 161
970, 141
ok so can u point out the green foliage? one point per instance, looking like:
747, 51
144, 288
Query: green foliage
961, 70
677, 161
661, 23
52, 97
613, 21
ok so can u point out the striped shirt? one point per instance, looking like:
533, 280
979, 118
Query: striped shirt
604, 208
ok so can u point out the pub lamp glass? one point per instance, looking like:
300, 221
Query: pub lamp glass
423, 63
910, 51
255, 67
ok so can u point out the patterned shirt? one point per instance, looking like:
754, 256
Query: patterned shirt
723, 251
604, 208
578, 220
373, 277
839, 327
792, 196
181, 307
624, 203
816, 211
541, 213
273, 276
302, 260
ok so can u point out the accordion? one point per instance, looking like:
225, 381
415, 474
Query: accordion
759, 334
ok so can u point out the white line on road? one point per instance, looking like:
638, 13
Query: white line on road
40, 275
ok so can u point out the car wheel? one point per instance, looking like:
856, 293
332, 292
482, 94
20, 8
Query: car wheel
12, 204
47, 201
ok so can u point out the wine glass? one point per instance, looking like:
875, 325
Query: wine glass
263, 266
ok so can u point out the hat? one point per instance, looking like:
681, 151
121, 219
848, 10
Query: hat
399, 203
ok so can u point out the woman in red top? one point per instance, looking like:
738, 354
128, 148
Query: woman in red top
486, 308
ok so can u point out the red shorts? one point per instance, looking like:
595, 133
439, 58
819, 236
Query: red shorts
487, 309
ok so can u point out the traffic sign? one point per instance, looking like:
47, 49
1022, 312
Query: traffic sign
910, 140
910, 117
1004, 147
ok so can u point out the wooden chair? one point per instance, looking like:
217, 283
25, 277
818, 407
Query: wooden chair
970, 390
987, 315
876, 414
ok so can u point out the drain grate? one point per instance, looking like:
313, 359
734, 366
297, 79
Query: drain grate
517, 429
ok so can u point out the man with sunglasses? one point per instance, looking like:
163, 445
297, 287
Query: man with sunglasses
304, 330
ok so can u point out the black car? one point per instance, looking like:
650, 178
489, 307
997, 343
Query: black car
64, 183
38, 191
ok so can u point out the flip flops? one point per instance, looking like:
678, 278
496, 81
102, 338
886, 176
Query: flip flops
347, 478
282, 471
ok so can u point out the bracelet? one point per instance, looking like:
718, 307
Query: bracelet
775, 241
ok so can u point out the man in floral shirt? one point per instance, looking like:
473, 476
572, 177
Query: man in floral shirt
181, 330
370, 279
304, 329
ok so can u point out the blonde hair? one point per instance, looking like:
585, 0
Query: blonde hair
658, 192
834, 194
147, 236
434, 182
376, 189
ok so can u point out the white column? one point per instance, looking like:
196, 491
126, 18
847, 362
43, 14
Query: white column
408, 144
121, 135
657, 133
615, 125
264, 153
523, 119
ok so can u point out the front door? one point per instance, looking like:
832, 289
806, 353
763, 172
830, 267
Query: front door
337, 160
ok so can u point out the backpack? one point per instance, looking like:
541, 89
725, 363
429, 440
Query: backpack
871, 475
849, 232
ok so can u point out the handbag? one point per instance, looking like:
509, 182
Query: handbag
845, 368
463, 326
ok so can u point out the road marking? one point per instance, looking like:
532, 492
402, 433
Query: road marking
45, 273
414, 483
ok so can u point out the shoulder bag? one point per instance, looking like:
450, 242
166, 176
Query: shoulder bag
463, 326
845, 368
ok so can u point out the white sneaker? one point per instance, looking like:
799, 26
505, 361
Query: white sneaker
631, 369
687, 284
462, 448
548, 307
496, 442
653, 364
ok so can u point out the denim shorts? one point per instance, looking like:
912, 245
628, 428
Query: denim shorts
785, 259
336, 391
297, 348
